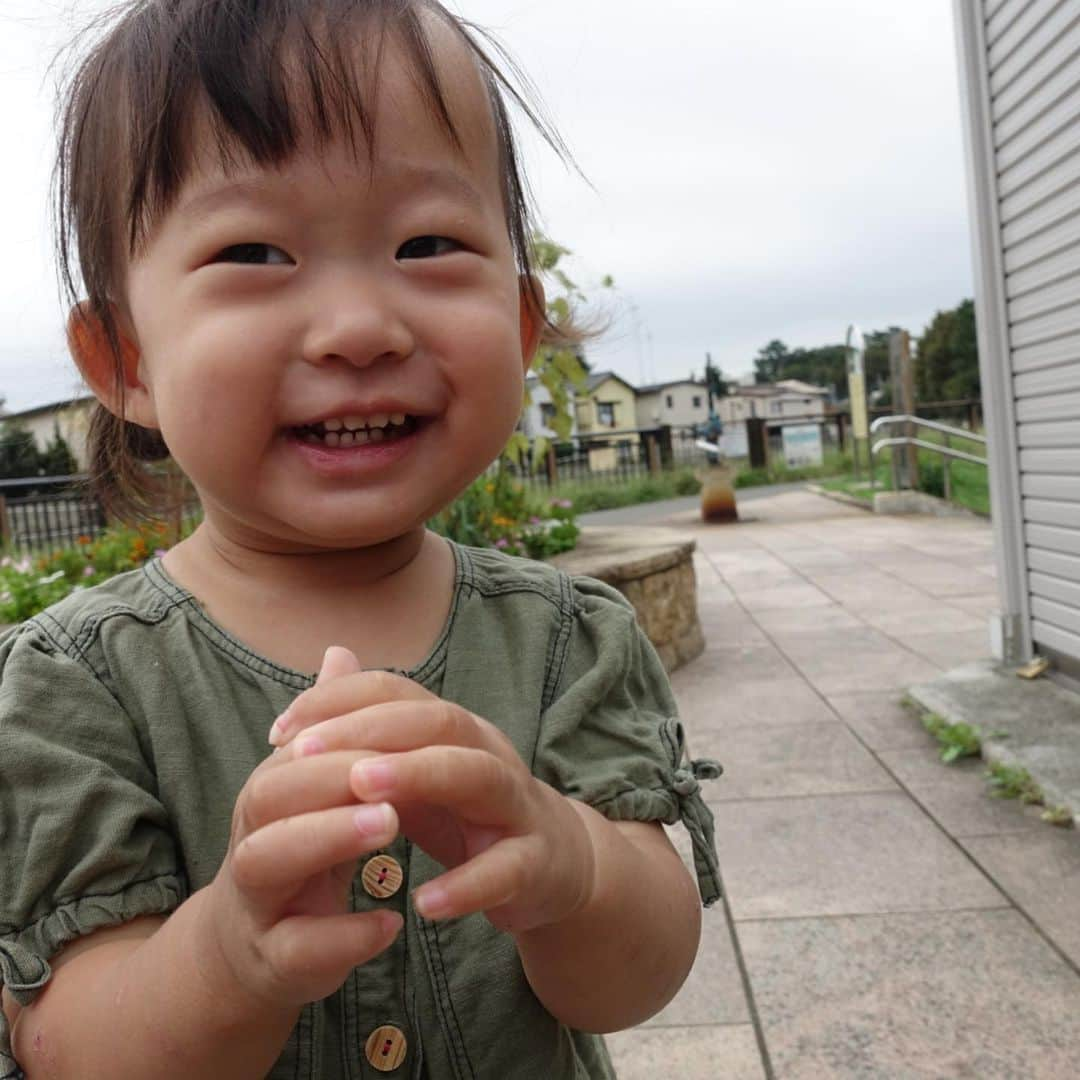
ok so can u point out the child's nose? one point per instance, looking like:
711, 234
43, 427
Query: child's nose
359, 325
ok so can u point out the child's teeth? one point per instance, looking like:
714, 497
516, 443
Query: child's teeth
397, 418
378, 420
333, 439
361, 438
346, 438
376, 434
333, 425
354, 422
313, 438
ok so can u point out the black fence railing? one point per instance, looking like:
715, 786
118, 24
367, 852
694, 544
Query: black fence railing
613, 456
42, 513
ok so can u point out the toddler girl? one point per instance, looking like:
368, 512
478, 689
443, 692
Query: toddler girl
302, 239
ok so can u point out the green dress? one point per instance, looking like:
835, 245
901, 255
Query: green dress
129, 721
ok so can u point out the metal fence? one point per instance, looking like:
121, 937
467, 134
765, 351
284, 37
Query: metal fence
613, 457
42, 513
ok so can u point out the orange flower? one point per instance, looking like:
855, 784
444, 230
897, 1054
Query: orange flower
82, 540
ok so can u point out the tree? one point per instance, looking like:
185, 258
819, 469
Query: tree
19, 455
561, 369
769, 362
947, 366
57, 458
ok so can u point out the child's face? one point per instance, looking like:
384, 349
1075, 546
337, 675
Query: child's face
272, 306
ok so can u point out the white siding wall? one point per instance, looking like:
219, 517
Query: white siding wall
1030, 68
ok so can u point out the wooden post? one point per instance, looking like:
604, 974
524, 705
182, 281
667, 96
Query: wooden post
652, 453
757, 441
840, 431
5, 525
552, 467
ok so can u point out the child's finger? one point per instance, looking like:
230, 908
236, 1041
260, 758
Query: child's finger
314, 951
344, 694
488, 881
396, 726
482, 788
337, 661
292, 849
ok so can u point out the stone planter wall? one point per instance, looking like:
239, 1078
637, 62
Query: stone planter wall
654, 570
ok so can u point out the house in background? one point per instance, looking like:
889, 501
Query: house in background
71, 417
608, 403
680, 404
1020, 80
536, 417
775, 403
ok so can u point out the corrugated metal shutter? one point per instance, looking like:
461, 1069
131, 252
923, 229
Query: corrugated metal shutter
1033, 54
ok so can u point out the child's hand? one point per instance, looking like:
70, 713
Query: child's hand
278, 908
517, 850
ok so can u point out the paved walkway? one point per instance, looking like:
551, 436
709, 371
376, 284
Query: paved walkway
884, 917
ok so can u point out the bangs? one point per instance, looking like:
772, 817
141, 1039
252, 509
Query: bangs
261, 76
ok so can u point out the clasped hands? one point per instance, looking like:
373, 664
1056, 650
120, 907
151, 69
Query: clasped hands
514, 848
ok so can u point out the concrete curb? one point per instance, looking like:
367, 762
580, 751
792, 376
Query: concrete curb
1033, 725
840, 497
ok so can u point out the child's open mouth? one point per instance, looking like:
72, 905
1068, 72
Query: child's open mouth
352, 431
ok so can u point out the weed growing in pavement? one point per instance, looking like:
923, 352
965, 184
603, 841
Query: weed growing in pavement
1061, 816
1014, 782
956, 740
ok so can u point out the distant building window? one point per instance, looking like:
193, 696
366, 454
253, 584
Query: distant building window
670, 401
776, 407
697, 401
547, 413
605, 413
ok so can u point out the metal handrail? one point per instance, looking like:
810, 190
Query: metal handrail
945, 451
918, 421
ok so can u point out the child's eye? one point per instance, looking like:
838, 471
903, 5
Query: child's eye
253, 255
427, 247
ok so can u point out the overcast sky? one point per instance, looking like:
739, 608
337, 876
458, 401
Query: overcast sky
773, 169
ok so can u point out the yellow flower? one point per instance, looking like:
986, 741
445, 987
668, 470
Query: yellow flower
489, 488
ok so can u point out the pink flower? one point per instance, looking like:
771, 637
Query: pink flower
88, 571
159, 552
501, 542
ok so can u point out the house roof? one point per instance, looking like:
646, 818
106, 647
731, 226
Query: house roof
37, 410
654, 388
597, 378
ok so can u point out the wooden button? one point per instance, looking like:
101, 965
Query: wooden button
386, 1048
381, 876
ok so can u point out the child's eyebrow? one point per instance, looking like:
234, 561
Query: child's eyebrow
402, 177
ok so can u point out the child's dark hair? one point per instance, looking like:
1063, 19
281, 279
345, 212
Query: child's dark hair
125, 145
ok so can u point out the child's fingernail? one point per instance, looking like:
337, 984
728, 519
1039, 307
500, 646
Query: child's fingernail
281, 725
372, 820
432, 902
392, 922
374, 776
309, 745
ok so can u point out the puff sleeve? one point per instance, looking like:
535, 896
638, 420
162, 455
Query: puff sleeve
84, 841
611, 736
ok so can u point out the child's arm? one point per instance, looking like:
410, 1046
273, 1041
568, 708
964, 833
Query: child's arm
146, 999
624, 955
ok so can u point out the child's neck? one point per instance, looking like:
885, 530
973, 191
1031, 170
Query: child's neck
387, 604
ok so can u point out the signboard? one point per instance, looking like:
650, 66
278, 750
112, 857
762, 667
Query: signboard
802, 445
856, 353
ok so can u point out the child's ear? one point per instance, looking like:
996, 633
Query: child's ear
90, 349
532, 318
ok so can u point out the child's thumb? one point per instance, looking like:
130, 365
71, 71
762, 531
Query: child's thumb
336, 662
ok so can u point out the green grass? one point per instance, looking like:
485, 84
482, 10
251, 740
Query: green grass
1013, 782
970, 482
588, 497
777, 472
956, 740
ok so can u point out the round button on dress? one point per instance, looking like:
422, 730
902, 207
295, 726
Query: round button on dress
381, 876
386, 1048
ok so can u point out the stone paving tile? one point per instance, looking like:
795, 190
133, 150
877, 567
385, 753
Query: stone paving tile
1040, 871
810, 759
728, 627
976, 995
880, 720
983, 605
937, 618
795, 595
713, 1052
922, 765
949, 650
847, 661
781, 622
746, 663
965, 807
843, 855
718, 706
